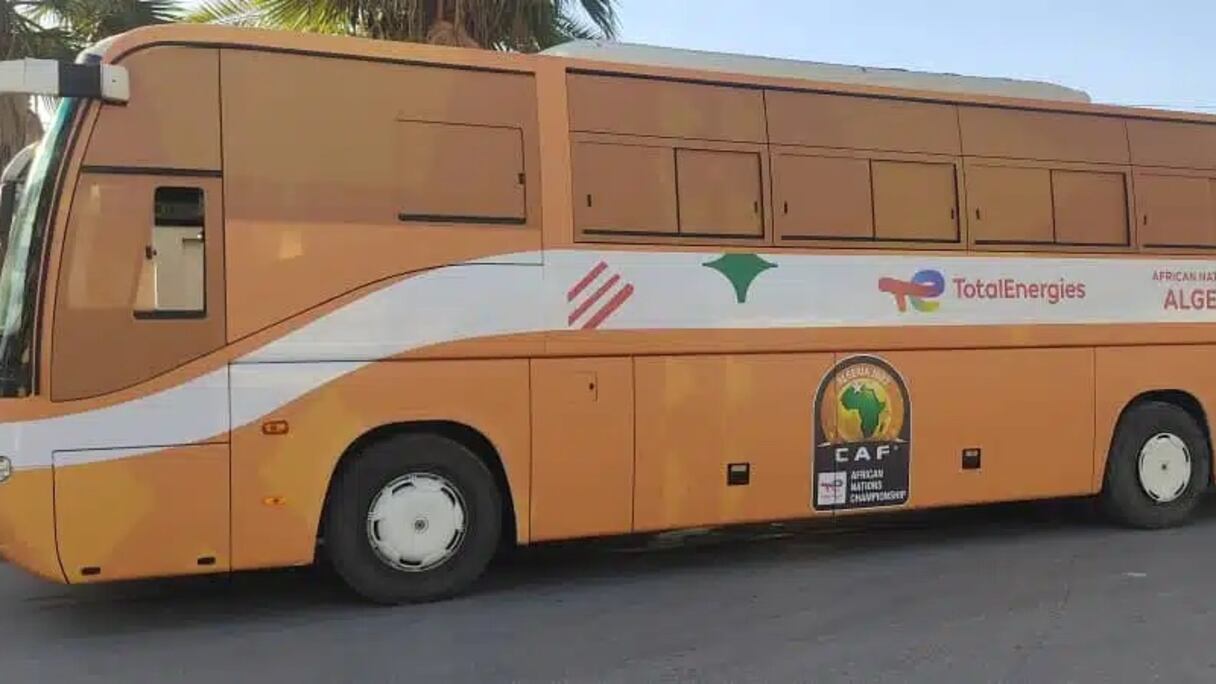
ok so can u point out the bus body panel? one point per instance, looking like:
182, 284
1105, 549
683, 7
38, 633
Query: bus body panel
697, 415
133, 513
27, 524
280, 479
324, 200
1009, 404
172, 120
392, 242
582, 423
1125, 373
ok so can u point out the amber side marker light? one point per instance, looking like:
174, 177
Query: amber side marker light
6, 469
274, 427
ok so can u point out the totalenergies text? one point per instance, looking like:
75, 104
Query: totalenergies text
1012, 288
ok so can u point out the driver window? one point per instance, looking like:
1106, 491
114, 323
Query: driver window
172, 280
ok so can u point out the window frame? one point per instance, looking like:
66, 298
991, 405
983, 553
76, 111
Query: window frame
688, 158
1138, 216
1129, 217
960, 244
172, 314
965, 243
1126, 169
582, 236
781, 208
464, 219
583, 199
956, 215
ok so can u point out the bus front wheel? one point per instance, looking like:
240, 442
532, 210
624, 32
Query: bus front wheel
1158, 467
416, 517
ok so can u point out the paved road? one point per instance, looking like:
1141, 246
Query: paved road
1028, 593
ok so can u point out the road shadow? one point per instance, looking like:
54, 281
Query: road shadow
306, 595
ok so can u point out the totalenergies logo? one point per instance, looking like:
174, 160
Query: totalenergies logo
924, 286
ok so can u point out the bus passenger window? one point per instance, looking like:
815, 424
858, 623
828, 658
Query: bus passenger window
915, 201
1090, 207
1010, 205
1175, 211
822, 197
719, 193
624, 189
172, 280
461, 173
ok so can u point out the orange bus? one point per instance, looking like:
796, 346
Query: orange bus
267, 295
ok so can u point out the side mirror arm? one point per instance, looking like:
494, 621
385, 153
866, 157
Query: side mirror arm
107, 82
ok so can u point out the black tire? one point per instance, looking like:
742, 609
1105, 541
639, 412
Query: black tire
346, 522
1123, 498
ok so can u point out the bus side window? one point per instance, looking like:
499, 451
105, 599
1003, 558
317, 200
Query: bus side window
719, 193
461, 173
172, 281
1176, 210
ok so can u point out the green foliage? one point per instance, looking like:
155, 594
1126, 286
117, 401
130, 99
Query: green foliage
59, 29
522, 25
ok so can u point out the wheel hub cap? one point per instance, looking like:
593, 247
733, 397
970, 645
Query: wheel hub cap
416, 522
1165, 467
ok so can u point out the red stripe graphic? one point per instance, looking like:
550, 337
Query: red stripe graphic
587, 304
596, 296
613, 304
587, 280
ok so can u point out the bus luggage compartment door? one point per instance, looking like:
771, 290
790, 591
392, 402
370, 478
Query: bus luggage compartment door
159, 513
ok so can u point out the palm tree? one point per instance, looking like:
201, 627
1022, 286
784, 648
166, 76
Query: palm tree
59, 29
521, 25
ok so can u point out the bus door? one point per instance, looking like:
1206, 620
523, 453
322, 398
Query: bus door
142, 466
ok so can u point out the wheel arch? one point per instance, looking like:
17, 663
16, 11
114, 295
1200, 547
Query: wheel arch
1181, 398
461, 433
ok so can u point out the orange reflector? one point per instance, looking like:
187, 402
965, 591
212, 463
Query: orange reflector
274, 427
274, 500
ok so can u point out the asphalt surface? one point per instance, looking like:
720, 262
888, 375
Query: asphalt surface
1026, 593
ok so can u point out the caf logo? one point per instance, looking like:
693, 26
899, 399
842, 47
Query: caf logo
862, 447
862, 401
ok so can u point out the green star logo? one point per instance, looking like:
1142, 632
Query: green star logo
741, 270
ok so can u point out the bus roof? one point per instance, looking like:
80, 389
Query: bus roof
648, 55
656, 62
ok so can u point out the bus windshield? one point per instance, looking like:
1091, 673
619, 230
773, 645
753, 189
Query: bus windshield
19, 275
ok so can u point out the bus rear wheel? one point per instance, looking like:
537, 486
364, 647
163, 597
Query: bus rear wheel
416, 517
1158, 467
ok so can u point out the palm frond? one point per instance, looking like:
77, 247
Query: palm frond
229, 13
602, 14
539, 24
302, 15
570, 28
117, 16
520, 25
60, 29
80, 23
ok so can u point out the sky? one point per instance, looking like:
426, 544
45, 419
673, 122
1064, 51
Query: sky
1136, 52
1145, 52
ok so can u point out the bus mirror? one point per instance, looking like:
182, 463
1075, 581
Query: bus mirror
63, 79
